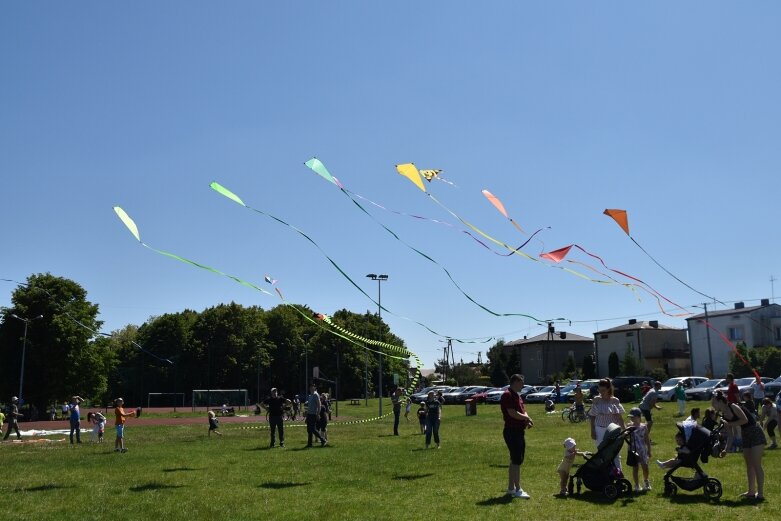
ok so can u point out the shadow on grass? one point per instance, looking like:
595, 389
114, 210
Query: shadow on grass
495, 466
181, 469
42, 488
152, 486
599, 498
501, 500
410, 477
686, 499
276, 485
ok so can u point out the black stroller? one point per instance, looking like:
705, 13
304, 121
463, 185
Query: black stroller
599, 473
702, 443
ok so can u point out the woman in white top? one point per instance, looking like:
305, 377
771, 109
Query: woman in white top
605, 409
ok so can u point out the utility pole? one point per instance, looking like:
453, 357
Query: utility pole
772, 288
707, 332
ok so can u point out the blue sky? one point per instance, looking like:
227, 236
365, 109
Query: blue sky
669, 110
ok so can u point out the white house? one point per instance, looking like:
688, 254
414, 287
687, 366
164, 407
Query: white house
654, 345
755, 326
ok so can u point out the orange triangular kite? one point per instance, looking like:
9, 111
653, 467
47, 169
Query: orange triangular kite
620, 217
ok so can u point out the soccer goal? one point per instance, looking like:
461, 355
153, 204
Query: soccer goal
165, 400
237, 398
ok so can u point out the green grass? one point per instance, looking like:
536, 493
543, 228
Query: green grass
177, 472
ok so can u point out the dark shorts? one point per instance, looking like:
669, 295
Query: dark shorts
753, 436
516, 443
647, 415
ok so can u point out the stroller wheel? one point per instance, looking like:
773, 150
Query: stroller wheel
611, 491
626, 486
670, 489
712, 488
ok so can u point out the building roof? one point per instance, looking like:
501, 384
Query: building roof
638, 326
543, 337
731, 311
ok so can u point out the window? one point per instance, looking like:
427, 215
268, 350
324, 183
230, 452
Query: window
778, 334
735, 333
603, 336
631, 333
539, 354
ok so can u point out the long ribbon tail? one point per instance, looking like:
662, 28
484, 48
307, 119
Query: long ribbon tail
731, 345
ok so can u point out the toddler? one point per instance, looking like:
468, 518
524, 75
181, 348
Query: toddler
570, 451
214, 424
641, 443
681, 449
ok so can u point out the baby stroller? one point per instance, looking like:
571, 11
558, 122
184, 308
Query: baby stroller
599, 473
701, 444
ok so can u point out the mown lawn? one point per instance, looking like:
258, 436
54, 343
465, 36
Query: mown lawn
177, 472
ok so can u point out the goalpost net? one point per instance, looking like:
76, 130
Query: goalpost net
165, 400
237, 398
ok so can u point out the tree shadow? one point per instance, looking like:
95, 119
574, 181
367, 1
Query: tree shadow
152, 486
500, 500
280, 485
410, 477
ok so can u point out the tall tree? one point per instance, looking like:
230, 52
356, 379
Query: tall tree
61, 359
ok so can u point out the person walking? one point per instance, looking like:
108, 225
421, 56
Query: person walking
648, 403
680, 395
312, 411
275, 405
516, 421
13, 419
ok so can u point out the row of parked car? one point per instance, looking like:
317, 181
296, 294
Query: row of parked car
696, 388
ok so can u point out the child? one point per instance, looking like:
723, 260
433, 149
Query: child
100, 425
769, 411
681, 449
422, 417
570, 451
322, 418
641, 443
214, 424
120, 415
407, 408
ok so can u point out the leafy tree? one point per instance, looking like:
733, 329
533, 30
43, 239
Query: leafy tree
61, 359
589, 367
771, 363
630, 365
613, 365
736, 365
657, 375
570, 369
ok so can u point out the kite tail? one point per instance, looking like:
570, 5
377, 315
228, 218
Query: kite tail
732, 346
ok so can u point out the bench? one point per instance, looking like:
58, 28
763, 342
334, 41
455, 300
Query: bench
355, 401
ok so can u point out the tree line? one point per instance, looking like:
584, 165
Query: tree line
227, 346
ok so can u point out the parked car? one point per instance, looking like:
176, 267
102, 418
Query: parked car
622, 387
496, 395
420, 396
540, 396
564, 392
773, 388
477, 393
667, 392
452, 395
704, 390
744, 384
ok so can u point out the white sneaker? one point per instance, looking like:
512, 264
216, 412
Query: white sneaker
647, 485
521, 494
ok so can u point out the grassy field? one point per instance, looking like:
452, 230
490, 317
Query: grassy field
177, 472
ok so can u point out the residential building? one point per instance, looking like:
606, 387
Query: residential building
754, 326
546, 354
655, 346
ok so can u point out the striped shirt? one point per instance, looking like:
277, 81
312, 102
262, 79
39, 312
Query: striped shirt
607, 411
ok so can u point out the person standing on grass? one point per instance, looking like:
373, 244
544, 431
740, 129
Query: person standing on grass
75, 417
516, 421
680, 395
312, 412
119, 422
733, 396
757, 388
606, 409
640, 443
422, 417
396, 401
433, 417
275, 405
13, 418
214, 423
769, 412
753, 443
648, 403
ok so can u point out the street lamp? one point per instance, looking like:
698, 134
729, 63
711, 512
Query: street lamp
379, 279
24, 349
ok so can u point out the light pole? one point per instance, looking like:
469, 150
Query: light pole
24, 349
380, 279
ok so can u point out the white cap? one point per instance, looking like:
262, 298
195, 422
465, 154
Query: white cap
569, 444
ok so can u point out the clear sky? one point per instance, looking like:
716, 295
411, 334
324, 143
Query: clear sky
670, 110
